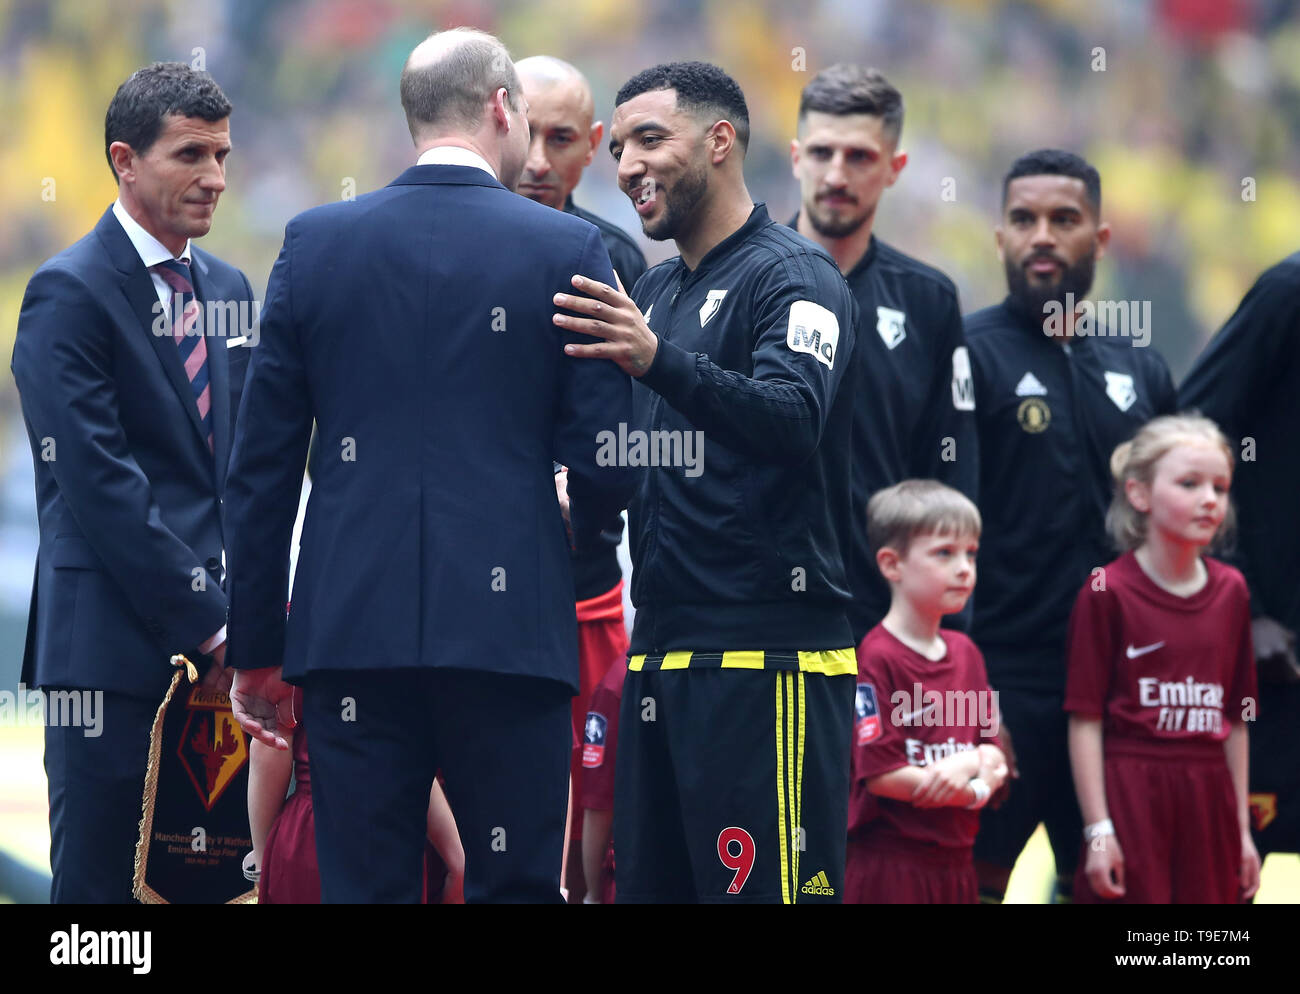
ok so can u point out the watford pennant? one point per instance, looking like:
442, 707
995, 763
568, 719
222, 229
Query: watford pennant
194, 830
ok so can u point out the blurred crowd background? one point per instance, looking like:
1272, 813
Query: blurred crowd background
1189, 108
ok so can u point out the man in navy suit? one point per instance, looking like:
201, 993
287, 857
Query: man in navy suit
432, 623
129, 397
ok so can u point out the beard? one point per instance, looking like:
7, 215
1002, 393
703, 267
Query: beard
1034, 296
831, 225
680, 203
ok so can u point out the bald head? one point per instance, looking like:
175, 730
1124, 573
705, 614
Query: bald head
542, 73
564, 137
449, 79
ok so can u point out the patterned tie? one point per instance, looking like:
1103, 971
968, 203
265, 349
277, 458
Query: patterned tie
193, 348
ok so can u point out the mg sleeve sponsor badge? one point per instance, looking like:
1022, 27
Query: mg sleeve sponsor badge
815, 330
866, 722
593, 740
194, 830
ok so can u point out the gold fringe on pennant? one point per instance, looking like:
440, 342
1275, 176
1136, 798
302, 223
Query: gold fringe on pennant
142, 891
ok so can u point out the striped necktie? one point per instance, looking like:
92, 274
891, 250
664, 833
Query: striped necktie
193, 348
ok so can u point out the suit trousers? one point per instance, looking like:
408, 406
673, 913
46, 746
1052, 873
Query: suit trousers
96, 784
378, 737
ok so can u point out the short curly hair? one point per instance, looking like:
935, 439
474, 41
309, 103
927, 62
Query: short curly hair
1056, 162
703, 90
135, 115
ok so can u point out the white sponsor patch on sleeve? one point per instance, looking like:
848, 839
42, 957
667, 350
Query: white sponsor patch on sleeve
815, 330
963, 385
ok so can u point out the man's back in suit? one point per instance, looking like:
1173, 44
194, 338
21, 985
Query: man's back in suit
433, 623
414, 325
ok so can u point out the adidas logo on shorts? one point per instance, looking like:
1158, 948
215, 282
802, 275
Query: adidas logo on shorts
819, 885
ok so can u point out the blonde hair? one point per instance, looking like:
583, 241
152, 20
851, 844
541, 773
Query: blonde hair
1136, 460
900, 513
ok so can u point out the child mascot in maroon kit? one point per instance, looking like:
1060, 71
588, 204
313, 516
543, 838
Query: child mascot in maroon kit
1161, 682
924, 761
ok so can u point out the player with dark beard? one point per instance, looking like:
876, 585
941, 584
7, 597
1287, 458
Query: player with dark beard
1055, 393
733, 772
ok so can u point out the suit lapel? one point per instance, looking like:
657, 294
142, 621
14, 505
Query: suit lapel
218, 375
137, 286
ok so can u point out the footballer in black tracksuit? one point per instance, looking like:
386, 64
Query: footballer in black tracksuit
732, 780
1049, 417
914, 406
1246, 380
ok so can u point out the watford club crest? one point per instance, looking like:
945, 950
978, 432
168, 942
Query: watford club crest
213, 748
194, 830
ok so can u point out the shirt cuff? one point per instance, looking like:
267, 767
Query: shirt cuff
672, 374
212, 643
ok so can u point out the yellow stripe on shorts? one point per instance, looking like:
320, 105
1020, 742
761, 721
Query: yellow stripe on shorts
798, 786
780, 792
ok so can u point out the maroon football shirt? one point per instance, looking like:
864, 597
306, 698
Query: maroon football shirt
1156, 666
915, 711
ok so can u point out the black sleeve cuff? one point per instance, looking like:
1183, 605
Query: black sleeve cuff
672, 374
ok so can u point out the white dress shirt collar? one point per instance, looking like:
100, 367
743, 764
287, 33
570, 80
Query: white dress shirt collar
454, 155
150, 250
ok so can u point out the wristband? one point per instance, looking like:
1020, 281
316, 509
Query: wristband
982, 793
1098, 829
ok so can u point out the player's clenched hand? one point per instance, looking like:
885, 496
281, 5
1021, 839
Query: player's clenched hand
262, 703
993, 766
942, 780
608, 313
1249, 866
1105, 866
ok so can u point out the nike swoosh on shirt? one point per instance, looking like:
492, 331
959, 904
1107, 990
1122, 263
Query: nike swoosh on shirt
907, 719
1133, 653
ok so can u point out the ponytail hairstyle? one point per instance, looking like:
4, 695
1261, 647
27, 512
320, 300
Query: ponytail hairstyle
1136, 460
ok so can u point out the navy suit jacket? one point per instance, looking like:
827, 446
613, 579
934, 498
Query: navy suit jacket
414, 325
127, 491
